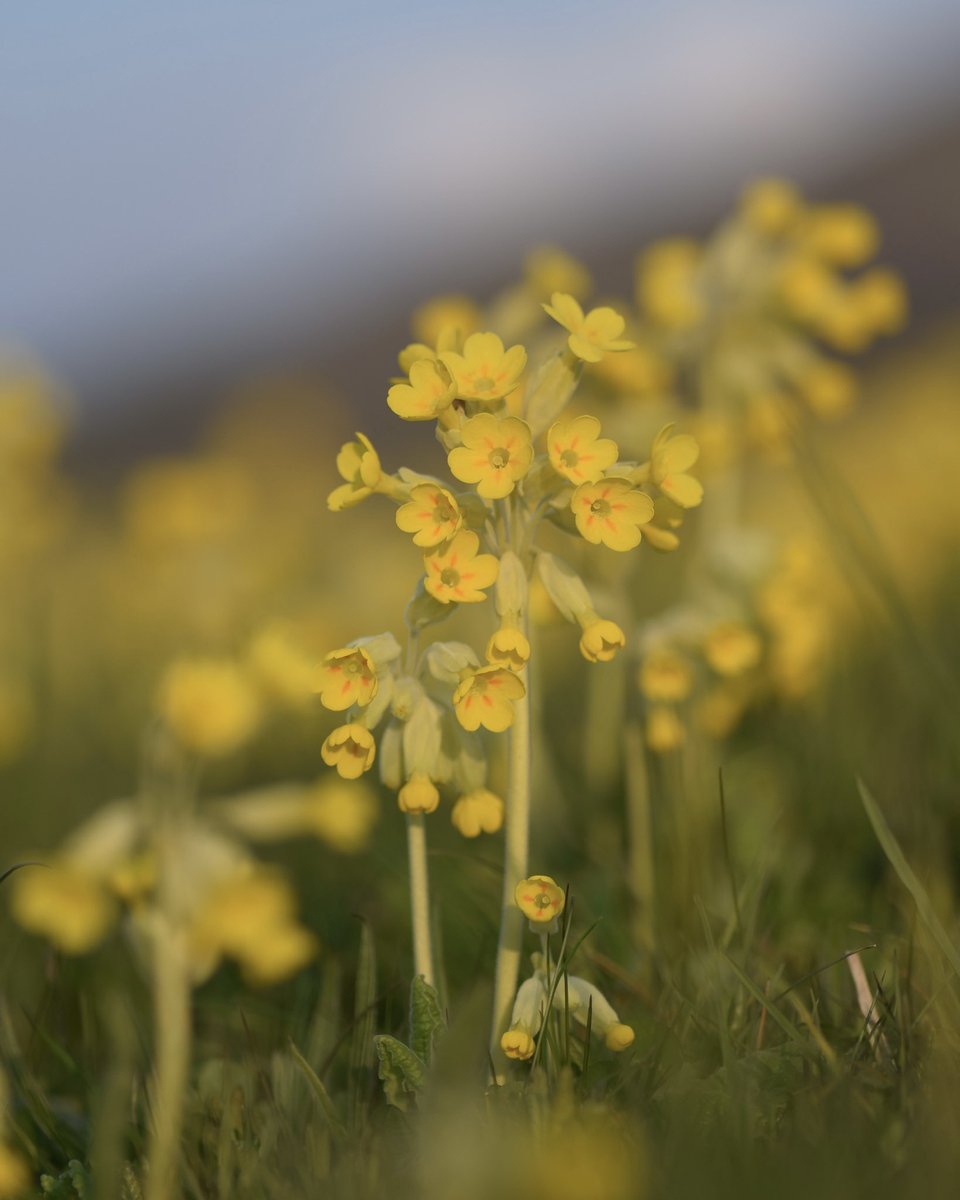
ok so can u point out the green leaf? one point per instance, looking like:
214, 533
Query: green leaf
891, 848
426, 1018
402, 1071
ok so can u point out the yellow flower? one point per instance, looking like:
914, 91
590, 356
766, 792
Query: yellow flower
665, 731
479, 811
578, 452
770, 206
431, 389
601, 639
209, 704
485, 371
610, 511
431, 320
418, 795
276, 957
457, 573
805, 285
731, 648
281, 667
484, 697
518, 1044
540, 898
359, 464
591, 336
670, 459
665, 676
347, 677
619, 1037
508, 647
496, 453
843, 234
830, 388
882, 298
14, 1176
349, 748
549, 269
432, 515
63, 904
719, 711
342, 815
667, 283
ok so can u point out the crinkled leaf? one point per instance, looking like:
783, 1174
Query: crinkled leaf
401, 1070
426, 1018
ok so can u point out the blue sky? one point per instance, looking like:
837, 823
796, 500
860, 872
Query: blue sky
179, 171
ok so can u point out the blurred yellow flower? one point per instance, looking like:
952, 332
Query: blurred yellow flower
347, 677
209, 704
578, 452
432, 515
540, 898
805, 285
359, 464
349, 748
618, 1037
731, 648
457, 312
665, 676
485, 371
179, 502
592, 335
664, 731
484, 697
667, 284
508, 647
670, 458
830, 388
882, 299
770, 206
281, 667
549, 269
719, 710
843, 234
456, 573
601, 639
64, 904
496, 454
476, 812
431, 389
342, 815
418, 795
14, 1176
610, 512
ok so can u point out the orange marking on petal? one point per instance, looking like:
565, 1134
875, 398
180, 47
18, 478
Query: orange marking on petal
487, 701
610, 524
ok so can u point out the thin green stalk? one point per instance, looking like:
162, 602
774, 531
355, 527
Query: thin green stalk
515, 860
419, 897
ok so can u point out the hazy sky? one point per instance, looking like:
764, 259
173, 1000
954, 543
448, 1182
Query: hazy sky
177, 170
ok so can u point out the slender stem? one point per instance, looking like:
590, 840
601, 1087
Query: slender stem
640, 853
515, 859
419, 897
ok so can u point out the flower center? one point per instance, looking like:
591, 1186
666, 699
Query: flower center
353, 667
569, 458
542, 900
449, 577
600, 507
499, 457
443, 512
483, 383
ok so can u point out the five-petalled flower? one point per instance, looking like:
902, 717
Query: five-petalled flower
601, 639
540, 899
670, 458
432, 515
347, 677
359, 464
578, 452
456, 573
495, 454
431, 389
349, 748
591, 335
485, 697
610, 511
485, 372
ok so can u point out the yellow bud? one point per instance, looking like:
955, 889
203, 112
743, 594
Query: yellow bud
844, 234
665, 676
477, 812
665, 731
418, 795
732, 648
517, 1043
770, 206
601, 640
619, 1037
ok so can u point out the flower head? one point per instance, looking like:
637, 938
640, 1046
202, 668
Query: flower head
770, 206
359, 464
432, 320
496, 453
549, 269
593, 335
457, 573
578, 452
484, 697
349, 748
485, 371
418, 795
731, 648
586, 998
610, 511
540, 899
209, 704
665, 676
668, 285
670, 458
479, 811
529, 1011
64, 904
508, 647
347, 677
431, 389
601, 639
518, 1044
665, 731
432, 515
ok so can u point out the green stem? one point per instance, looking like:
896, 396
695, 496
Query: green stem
515, 859
419, 897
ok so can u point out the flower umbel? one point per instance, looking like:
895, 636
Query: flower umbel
347, 677
457, 573
496, 453
591, 335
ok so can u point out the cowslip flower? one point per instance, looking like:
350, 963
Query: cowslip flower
732, 648
540, 899
349, 748
665, 676
508, 647
529, 1010
359, 464
484, 697
476, 812
578, 452
209, 704
496, 453
64, 904
431, 514
584, 997
610, 512
14, 1173
601, 639
485, 371
668, 286
670, 458
432, 319
843, 234
418, 795
347, 677
592, 335
431, 390
457, 573
770, 206
664, 731
549, 269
